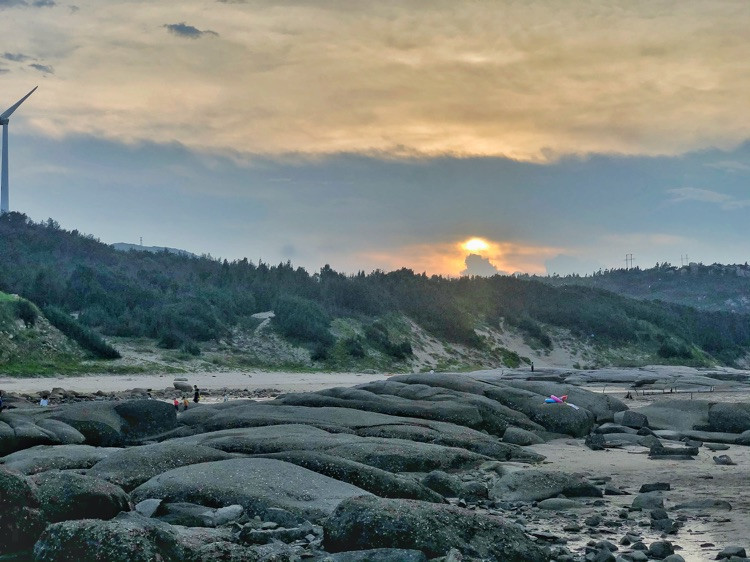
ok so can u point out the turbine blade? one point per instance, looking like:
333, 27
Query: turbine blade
7, 113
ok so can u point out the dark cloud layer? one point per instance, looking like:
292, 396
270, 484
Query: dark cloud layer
45, 68
16, 57
184, 30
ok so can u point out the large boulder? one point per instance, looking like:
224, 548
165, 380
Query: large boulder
730, 417
21, 520
629, 418
679, 415
66, 495
522, 437
57, 457
379, 482
370, 522
133, 466
238, 414
65, 434
18, 431
536, 485
393, 455
476, 412
117, 423
127, 538
256, 484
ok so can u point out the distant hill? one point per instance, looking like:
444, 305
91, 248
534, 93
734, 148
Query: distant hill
714, 287
201, 311
125, 247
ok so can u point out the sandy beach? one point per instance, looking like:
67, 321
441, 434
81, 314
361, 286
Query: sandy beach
207, 381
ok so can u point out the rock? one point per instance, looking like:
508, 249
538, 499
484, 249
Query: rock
659, 451
126, 538
655, 487
724, 460
238, 413
523, 437
21, 520
255, 484
474, 491
265, 536
612, 490
535, 485
593, 520
117, 423
148, 507
705, 504
629, 418
674, 558
380, 482
43, 458
66, 434
434, 529
615, 428
559, 504
677, 414
183, 386
224, 515
66, 495
419, 401
717, 446
660, 549
443, 483
185, 514
376, 555
732, 417
133, 466
730, 551
743, 439
392, 455
648, 500
596, 442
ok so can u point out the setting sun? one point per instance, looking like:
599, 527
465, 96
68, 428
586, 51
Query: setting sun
475, 245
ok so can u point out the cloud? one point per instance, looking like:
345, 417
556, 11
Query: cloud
184, 30
46, 69
479, 266
533, 81
726, 202
16, 57
35, 3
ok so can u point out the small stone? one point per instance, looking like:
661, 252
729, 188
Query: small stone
656, 486
593, 520
660, 549
730, 551
725, 460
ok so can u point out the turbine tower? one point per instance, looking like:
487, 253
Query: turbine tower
4, 117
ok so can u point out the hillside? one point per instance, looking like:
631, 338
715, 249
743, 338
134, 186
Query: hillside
714, 287
180, 312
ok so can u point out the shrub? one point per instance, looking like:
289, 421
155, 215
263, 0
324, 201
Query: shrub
26, 312
354, 347
85, 337
302, 319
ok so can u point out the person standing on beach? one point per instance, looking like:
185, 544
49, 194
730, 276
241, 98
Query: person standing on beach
196, 394
185, 403
1, 400
176, 405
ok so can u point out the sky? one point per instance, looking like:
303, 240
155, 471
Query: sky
378, 135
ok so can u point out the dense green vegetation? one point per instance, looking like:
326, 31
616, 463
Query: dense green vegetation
84, 336
179, 300
707, 287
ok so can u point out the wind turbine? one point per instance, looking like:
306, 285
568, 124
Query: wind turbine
4, 117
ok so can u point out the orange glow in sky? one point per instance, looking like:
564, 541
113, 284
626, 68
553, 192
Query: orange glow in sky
449, 258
